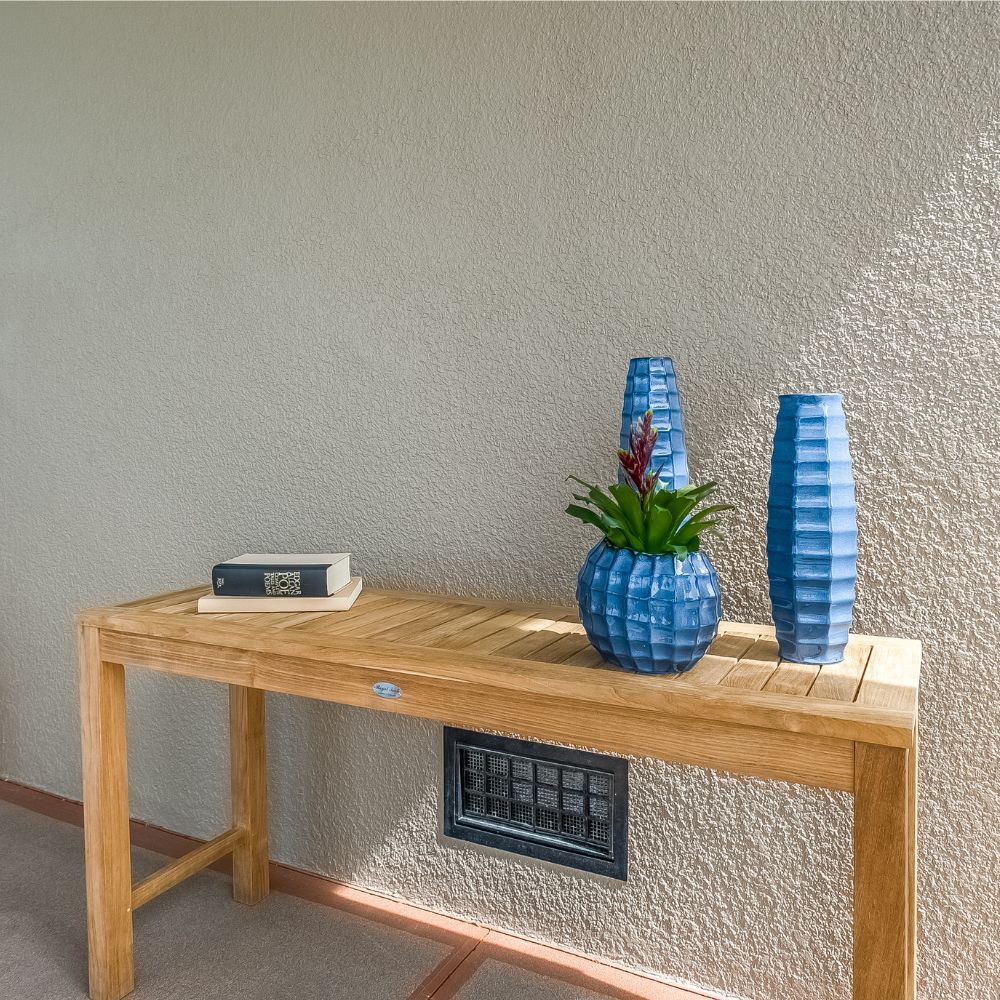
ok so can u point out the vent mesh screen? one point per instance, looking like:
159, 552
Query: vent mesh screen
554, 803
520, 793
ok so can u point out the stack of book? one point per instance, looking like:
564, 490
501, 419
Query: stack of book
259, 582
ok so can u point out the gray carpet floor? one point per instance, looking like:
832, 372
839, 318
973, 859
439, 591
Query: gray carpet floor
192, 942
498, 981
195, 942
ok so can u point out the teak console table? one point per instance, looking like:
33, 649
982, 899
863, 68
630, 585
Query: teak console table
521, 669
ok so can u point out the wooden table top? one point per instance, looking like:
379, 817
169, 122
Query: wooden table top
530, 647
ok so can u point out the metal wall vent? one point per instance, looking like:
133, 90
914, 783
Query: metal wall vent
560, 805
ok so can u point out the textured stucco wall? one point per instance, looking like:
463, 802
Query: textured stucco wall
288, 277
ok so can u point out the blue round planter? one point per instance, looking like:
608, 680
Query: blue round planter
652, 385
812, 532
648, 614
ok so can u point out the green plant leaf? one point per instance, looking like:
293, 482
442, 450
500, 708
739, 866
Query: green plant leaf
682, 509
617, 537
703, 516
695, 491
692, 533
714, 509
659, 528
586, 515
667, 522
598, 498
611, 527
628, 502
610, 513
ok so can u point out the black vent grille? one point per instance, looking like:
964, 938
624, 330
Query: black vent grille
560, 805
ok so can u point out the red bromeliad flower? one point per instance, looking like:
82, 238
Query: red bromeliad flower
637, 513
635, 461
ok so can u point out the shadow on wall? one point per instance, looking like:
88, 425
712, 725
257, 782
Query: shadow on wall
366, 801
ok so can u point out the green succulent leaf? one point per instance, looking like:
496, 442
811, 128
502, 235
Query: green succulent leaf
618, 538
597, 497
628, 502
609, 517
690, 534
659, 527
658, 522
586, 515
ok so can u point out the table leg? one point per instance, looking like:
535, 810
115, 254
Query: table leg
911, 878
105, 821
249, 790
884, 873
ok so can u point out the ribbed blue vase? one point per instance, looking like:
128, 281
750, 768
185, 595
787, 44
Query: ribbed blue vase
648, 614
652, 385
812, 531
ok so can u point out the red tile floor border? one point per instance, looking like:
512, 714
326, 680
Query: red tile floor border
471, 944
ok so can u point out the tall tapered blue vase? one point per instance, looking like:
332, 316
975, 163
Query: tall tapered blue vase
652, 385
812, 532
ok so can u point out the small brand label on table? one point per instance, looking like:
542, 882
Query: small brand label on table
386, 690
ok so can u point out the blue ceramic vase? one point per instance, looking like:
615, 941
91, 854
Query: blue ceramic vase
812, 532
648, 614
652, 385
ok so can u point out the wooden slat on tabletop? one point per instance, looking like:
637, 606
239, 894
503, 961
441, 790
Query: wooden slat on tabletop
305, 617
367, 601
373, 599
890, 679
754, 667
588, 657
732, 645
710, 670
435, 678
792, 678
412, 616
163, 600
739, 628
370, 614
840, 681
365, 626
467, 638
558, 651
403, 631
454, 625
473, 602
319, 620
180, 608
261, 619
529, 643
273, 620
721, 657
508, 634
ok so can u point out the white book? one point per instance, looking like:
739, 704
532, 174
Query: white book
342, 600
269, 574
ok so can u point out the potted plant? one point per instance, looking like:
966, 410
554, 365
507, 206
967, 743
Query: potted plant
648, 595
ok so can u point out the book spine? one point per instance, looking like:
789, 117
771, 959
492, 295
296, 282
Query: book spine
269, 581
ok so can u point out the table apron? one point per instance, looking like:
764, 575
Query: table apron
819, 761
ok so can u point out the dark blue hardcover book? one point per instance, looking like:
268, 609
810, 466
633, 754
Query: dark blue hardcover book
262, 575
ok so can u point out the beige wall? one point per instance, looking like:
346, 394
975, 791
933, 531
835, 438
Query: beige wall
297, 277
